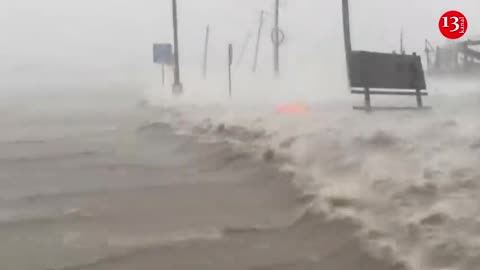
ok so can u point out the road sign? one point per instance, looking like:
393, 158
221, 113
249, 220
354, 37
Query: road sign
383, 70
162, 53
277, 32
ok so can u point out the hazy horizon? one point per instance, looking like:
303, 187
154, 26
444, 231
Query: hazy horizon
45, 41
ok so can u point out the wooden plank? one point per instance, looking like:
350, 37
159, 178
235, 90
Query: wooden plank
419, 98
390, 93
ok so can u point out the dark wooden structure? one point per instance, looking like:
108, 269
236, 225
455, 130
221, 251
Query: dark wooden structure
374, 73
391, 74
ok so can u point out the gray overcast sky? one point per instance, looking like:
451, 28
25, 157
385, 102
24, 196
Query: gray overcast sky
100, 34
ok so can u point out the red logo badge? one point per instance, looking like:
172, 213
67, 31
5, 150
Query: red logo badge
453, 24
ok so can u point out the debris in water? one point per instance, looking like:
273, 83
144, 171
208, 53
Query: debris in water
269, 155
288, 142
434, 219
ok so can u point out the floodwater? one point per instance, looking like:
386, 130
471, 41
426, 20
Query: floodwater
88, 183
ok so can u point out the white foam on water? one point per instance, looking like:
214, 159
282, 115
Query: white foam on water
410, 179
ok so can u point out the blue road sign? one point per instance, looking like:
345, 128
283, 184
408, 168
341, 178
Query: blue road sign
163, 54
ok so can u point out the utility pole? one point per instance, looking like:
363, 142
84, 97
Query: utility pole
346, 33
205, 53
177, 88
257, 47
276, 42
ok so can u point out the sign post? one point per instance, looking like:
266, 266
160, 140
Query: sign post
163, 75
163, 55
392, 74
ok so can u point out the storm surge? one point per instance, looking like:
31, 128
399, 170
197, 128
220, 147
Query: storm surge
240, 185
408, 181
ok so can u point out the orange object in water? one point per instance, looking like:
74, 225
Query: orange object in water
293, 108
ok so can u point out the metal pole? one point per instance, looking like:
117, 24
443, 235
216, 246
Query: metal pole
346, 32
177, 85
163, 75
257, 47
205, 54
276, 43
230, 61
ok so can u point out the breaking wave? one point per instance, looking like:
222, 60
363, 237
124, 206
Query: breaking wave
409, 180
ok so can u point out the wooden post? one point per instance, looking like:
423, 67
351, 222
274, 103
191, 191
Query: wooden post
419, 98
205, 53
257, 47
368, 104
